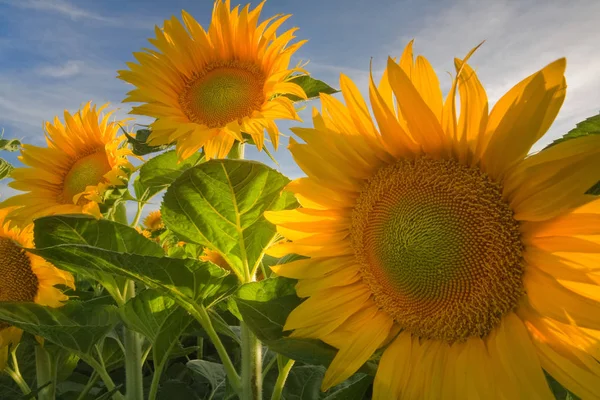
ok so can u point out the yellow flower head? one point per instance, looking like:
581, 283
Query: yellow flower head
153, 221
215, 258
25, 277
83, 159
206, 88
437, 239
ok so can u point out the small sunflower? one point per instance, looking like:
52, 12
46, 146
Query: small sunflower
206, 88
472, 266
153, 221
25, 277
216, 258
83, 159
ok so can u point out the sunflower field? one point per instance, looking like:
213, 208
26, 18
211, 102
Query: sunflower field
427, 253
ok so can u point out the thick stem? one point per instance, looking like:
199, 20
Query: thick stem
156, 381
283, 374
18, 379
251, 365
138, 214
237, 151
134, 388
199, 312
108, 382
45, 372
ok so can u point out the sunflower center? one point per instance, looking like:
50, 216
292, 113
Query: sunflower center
87, 171
18, 282
439, 248
223, 93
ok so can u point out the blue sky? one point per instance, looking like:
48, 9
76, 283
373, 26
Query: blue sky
58, 54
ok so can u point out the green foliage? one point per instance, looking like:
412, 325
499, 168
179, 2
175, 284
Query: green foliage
265, 306
160, 171
213, 372
187, 281
139, 143
220, 205
9, 144
312, 87
5, 168
590, 126
77, 326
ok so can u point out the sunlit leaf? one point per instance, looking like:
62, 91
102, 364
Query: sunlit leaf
220, 204
139, 143
312, 87
5, 168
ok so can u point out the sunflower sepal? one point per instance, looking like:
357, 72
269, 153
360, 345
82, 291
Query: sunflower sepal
140, 144
312, 88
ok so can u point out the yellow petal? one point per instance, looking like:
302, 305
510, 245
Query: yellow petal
394, 369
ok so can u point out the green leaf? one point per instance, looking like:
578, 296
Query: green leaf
78, 244
312, 87
213, 372
5, 168
139, 143
220, 205
590, 126
352, 389
159, 319
265, 306
77, 326
9, 144
160, 171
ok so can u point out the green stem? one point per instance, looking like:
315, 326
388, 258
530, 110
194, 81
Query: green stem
90, 384
134, 388
45, 371
138, 214
199, 312
156, 381
18, 379
283, 374
251, 365
108, 382
237, 151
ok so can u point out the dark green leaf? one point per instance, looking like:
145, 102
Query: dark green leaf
76, 326
160, 171
139, 143
174, 389
220, 205
213, 372
159, 319
312, 87
352, 389
70, 243
109, 394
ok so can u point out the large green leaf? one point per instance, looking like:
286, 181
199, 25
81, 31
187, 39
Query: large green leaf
220, 205
77, 326
265, 306
72, 245
159, 318
312, 87
160, 171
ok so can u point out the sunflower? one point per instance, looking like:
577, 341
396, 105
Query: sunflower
83, 159
153, 221
438, 242
206, 88
25, 277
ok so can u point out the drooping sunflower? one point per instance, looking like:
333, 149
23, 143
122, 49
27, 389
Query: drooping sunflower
83, 159
25, 277
206, 88
153, 221
437, 240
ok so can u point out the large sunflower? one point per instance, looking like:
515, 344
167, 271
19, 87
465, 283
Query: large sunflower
25, 277
472, 265
83, 159
206, 88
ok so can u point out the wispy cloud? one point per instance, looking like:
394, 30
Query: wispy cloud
58, 6
69, 69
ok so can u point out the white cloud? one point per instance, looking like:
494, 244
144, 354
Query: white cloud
70, 68
57, 6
